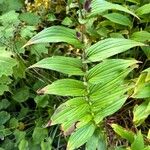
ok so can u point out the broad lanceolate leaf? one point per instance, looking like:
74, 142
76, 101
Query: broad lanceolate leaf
56, 34
109, 109
67, 65
107, 98
143, 92
128, 135
81, 136
6, 62
119, 19
100, 6
108, 70
141, 36
142, 86
65, 87
70, 112
109, 47
143, 9
147, 79
138, 143
141, 112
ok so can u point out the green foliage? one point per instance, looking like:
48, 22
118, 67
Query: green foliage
81, 65
136, 140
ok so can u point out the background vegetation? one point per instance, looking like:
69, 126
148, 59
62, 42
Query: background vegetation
116, 70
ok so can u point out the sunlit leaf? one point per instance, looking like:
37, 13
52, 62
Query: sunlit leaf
56, 34
108, 70
138, 143
100, 6
23, 145
67, 65
83, 133
143, 9
141, 112
128, 135
119, 19
65, 87
141, 36
109, 47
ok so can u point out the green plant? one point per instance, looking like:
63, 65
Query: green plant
92, 79
101, 88
136, 140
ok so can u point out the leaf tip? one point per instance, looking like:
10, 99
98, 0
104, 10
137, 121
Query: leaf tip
41, 91
27, 44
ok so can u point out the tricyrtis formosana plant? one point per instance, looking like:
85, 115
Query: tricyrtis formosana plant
98, 83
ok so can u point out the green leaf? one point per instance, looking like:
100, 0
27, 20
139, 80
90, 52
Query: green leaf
142, 86
83, 133
42, 100
3, 88
4, 117
107, 98
108, 70
4, 132
128, 135
134, 1
141, 36
30, 18
147, 148
119, 19
13, 123
141, 112
9, 18
143, 92
109, 108
27, 31
143, 9
120, 148
39, 134
13, 6
19, 136
4, 103
23, 145
147, 51
96, 141
70, 112
39, 49
147, 71
46, 145
56, 34
65, 87
100, 6
109, 47
138, 143
67, 21
4, 82
6, 62
21, 94
67, 65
